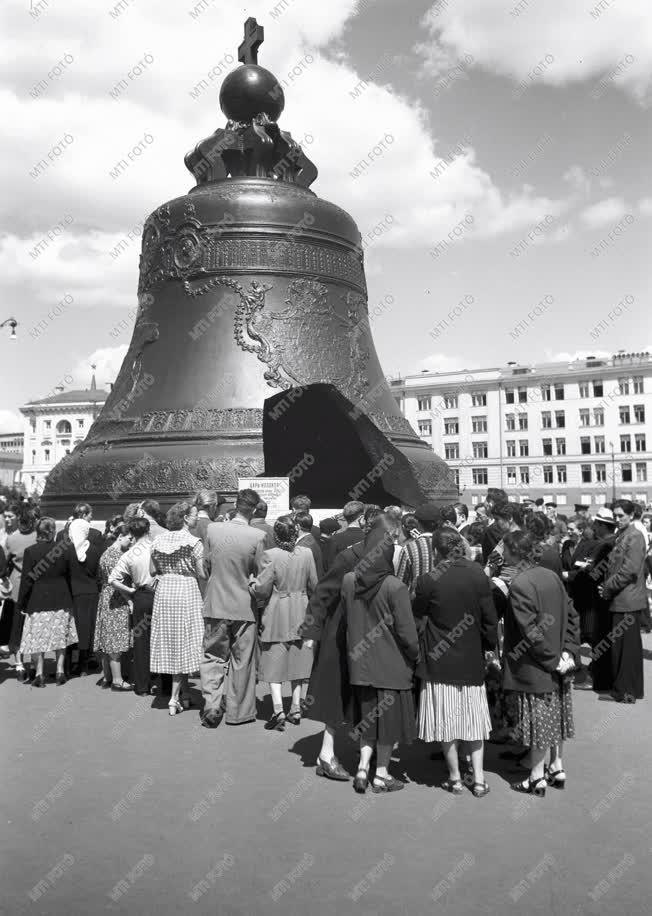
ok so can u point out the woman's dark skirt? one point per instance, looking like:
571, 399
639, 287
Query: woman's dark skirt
601, 672
627, 655
329, 696
383, 716
544, 719
84, 610
12, 625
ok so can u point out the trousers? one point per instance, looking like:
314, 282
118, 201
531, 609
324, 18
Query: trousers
143, 601
230, 642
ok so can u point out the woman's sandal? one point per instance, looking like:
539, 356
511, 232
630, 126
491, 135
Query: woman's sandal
556, 778
360, 783
480, 789
294, 717
122, 686
276, 723
174, 706
531, 787
389, 784
454, 786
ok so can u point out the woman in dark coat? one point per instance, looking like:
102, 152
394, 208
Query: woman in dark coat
84, 555
383, 648
460, 623
540, 647
45, 600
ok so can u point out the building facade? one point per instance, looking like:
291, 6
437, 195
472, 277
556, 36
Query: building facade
53, 427
577, 432
11, 458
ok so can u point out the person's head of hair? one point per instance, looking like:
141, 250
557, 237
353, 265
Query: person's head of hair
301, 503
303, 521
519, 547
462, 510
517, 512
82, 510
27, 518
503, 514
637, 511
495, 496
46, 528
261, 509
481, 510
206, 500
285, 529
131, 511
538, 526
137, 527
646, 518
353, 510
393, 514
111, 524
151, 508
448, 514
328, 527
626, 505
409, 523
177, 514
475, 533
370, 514
246, 502
447, 543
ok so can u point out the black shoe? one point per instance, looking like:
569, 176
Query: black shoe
332, 770
294, 717
360, 783
39, 681
60, 680
213, 719
532, 787
623, 698
276, 723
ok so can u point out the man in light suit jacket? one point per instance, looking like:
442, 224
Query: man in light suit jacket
233, 554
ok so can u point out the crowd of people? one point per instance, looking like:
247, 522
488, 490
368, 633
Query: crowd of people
436, 624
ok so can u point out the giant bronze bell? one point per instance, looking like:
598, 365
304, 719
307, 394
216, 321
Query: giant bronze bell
251, 352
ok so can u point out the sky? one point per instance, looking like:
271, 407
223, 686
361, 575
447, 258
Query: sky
514, 168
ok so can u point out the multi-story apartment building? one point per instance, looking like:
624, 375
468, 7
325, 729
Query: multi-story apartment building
53, 427
578, 432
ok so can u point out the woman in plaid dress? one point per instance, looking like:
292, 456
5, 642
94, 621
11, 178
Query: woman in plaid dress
177, 615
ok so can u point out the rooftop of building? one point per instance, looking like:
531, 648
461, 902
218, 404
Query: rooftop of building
91, 395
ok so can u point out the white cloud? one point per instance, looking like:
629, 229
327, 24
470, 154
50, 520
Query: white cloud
578, 180
10, 422
566, 357
553, 43
645, 205
442, 362
604, 212
107, 361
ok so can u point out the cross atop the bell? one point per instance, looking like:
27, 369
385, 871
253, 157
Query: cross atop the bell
254, 35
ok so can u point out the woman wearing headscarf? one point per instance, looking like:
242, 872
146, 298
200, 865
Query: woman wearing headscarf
46, 602
286, 580
84, 557
112, 629
540, 648
460, 623
383, 648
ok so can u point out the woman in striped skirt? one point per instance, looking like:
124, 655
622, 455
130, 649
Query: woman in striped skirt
458, 616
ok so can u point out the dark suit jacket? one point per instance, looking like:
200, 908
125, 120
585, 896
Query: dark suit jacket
460, 622
312, 545
491, 537
84, 577
624, 585
325, 600
268, 531
540, 623
340, 541
44, 584
94, 537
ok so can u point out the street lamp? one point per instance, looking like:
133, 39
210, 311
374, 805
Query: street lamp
13, 324
613, 473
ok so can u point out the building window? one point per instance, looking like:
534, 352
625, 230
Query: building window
480, 450
510, 423
623, 386
67, 451
639, 439
547, 473
545, 393
626, 473
561, 446
525, 474
479, 400
32, 424
46, 454
625, 443
479, 424
452, 451
561, 473
509, 396
559, 392
638, 384
451, 427
511, 476
522, 422
601, 498
598, 389
450, 402
546, 419
33, 456
523, 448
584, 390
598, 444
547, 446
424, 403
641, 472
47, 424
623, 413
585, 445
425, 427
456, 477
80, 424
598, 416
585, 417
586, 473
64, 428
522, 395
560, 419
639, 413
480, 476
511, 448
601, 473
